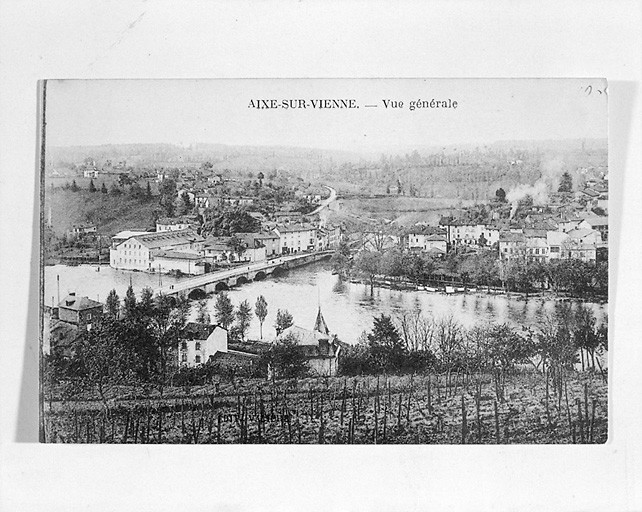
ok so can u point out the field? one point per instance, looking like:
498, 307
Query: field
417, 409
406, 210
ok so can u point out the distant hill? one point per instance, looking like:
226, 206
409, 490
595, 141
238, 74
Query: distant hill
463, 171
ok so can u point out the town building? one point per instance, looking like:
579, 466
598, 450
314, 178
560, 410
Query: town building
597, 223
177, 224
426, 238
81, 230
218, 249
511, 245
272, 243
175, 261
90, 173
80, 311
137, 252
254, 247
557, 243
295, 238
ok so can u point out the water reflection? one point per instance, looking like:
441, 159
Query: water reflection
348, 308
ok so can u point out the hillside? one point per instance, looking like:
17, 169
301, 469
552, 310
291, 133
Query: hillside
111, 214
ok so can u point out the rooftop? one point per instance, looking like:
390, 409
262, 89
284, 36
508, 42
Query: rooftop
75, 303
168, 238
291, 228
176, 255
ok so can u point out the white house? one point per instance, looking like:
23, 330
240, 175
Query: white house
173, 261
557, 243
90, 173
272, 243
199, 342
296, 237
137, 252
167, 224
255, 248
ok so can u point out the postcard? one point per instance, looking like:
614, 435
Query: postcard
324, 261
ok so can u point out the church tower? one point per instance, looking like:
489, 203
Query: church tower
320, 324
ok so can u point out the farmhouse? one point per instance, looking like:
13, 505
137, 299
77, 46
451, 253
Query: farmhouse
199, 342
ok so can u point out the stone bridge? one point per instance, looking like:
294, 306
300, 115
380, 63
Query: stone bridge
199, 286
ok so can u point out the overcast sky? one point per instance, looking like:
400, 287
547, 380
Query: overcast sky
89, 112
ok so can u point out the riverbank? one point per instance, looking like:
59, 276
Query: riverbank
408, 409
482, 291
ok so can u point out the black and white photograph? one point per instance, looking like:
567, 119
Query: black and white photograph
320, 256
374, 261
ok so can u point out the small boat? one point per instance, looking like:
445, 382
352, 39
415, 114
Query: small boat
450, 289
472, 290
421, 288
431, 289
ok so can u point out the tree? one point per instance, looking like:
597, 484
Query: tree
203, 315
92, 187
129, 303
285, 359
229, 222
261, 311
566, 183
238, 246
166, 323
243, 317
500, 195
124, 180
145, 306
103, 188
112, 304
260, 176
283, 320
586, 334
186, 204
167, 196
386, 348
368, 263
74, 186
502, 349
148, 191
114, 190
224, 310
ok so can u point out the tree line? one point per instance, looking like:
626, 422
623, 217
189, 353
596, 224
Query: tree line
413, 343
573, 276
136, 343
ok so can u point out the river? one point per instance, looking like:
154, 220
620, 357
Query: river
347, 308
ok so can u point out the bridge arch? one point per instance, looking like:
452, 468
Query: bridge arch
221, 286
279, 271
241, 280
260, 275
197, 294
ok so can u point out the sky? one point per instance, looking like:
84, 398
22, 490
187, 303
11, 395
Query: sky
95, 112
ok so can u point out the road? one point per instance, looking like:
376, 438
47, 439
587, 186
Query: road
327, 202
197, 281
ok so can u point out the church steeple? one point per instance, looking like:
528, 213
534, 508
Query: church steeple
320, 324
